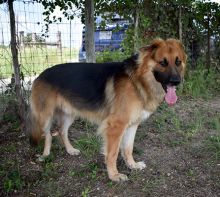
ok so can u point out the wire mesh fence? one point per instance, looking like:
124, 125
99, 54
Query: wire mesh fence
36, 51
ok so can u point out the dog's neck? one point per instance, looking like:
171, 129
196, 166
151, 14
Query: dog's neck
149, 90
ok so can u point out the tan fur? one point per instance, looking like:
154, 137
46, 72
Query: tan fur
125, 103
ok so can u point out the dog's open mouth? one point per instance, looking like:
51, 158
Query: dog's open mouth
171, 96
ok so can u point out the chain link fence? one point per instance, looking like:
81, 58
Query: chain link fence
36, 51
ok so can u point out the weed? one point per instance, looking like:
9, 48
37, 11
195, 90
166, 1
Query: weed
110, 184
176, 122
72, 173
176, 142
10, 176
138, 151
215, 123
52, 189
90, 169
191, 174
8, 117
151, 184
135, 175
81, 124
195, 124
75, 173
94, 174
49, 169
13, 181
93, 169
85, 191
167, 119
88, 144
8, 148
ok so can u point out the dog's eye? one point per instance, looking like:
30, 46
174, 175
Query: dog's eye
164, 63
178, 62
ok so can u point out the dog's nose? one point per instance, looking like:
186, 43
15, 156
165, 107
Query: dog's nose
175, 80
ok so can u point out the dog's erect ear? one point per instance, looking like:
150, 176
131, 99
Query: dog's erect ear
151, 47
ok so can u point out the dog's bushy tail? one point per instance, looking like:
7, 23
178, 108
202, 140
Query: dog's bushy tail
33, 128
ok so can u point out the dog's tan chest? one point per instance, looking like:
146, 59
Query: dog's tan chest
145, 115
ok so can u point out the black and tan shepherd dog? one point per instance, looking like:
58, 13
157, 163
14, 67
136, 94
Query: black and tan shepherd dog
117, 96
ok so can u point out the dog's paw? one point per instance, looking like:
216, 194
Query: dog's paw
138, 165
73, 151
118, 177
42, 158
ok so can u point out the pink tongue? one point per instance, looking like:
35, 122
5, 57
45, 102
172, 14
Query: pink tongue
170, 96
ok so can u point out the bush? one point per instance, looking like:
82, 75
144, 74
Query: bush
110, 56
201, 82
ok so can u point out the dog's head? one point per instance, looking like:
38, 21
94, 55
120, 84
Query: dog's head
167, 61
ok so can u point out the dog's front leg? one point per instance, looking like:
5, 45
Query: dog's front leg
127, 148
113, 135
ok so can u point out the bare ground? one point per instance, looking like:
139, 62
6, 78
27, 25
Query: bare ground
178, 145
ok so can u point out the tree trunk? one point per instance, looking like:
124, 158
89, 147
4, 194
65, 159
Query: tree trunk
136, 22
180, 24
16, 67
89, 31
208, 58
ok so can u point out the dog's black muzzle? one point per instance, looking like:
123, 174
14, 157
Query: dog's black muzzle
174, 80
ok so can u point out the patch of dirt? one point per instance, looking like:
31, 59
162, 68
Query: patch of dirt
172, 143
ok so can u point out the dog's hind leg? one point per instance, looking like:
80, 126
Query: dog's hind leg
127, 148
44, 121
48, 137
66, 121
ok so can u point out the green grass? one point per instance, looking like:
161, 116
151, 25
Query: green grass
13, 181
90, 169
153, 183
10, 176
212, 143
213, 146
11, 148
34, 60
185, 129
88, 144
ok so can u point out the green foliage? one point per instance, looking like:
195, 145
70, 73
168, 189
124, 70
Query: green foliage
110, 56
201, 82
66, 7
160, 18
129, 42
